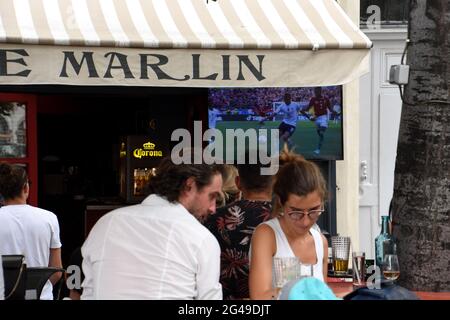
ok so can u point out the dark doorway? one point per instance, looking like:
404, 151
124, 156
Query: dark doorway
78, 148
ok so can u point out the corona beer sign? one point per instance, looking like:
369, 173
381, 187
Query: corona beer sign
147, 150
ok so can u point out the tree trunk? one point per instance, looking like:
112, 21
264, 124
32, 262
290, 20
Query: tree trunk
421, 203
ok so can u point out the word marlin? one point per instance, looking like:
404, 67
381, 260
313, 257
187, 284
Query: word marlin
143, 65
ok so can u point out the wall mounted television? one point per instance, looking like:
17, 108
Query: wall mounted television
309, 119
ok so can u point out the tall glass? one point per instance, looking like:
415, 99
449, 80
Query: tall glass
341, 251
286, 269
359, 268
306, 270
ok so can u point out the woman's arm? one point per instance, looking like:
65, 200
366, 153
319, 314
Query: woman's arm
325, 258
263, 249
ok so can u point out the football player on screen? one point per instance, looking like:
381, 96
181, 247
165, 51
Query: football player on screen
288, 125
321, 105
264, 112
213, 114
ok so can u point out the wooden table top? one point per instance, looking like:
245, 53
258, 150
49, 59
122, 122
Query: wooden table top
341, 289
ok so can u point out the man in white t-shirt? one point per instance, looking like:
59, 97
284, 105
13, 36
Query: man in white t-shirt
27, 230
158, 249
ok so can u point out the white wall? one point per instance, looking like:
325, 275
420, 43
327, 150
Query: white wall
380, 108
347, 171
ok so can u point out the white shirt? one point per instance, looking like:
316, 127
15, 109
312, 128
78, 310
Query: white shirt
290, 112
2, 283
32, 232
153, 250
284, 249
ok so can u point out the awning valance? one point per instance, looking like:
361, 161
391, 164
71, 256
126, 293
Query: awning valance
179, 43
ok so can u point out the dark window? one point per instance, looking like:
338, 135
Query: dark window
391, 13
327, 220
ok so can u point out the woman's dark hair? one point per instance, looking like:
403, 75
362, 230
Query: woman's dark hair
297, 176
170, 178
12, 180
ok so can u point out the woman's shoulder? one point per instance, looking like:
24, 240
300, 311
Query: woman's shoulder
271, 223
265, 228
264, 237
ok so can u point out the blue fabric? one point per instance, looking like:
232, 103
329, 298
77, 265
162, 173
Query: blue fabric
386, 292
308, 288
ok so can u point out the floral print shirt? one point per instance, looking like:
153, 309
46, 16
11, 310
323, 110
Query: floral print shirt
233, 226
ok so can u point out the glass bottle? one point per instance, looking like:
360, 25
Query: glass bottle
330, 260
384, 243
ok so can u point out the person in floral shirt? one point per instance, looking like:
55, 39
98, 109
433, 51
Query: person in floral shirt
233, 226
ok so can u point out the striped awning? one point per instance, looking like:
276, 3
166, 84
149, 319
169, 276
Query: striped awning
179, 42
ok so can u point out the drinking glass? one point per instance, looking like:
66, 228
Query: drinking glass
306, 270
341, 250
285, 270
391, 267
359, 268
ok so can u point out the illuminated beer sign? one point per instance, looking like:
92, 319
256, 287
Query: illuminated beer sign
147, 150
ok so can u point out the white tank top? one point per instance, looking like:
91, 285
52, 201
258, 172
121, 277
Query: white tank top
285, 250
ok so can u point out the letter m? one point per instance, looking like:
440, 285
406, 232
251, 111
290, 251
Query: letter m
239, 136
69, 56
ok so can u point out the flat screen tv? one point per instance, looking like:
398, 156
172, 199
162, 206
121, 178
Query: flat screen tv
309, 119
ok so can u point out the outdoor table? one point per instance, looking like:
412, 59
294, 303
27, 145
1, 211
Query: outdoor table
341, 289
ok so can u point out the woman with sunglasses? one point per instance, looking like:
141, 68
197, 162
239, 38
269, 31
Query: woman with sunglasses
300, 192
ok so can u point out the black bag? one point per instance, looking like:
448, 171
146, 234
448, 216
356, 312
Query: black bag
14, 273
